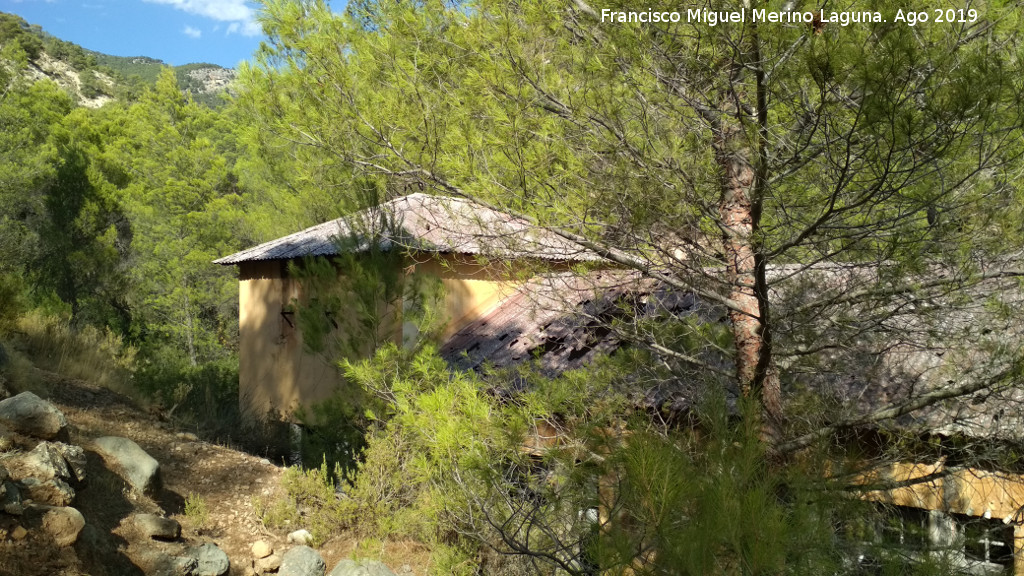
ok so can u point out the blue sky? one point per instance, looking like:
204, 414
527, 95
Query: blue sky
222, 32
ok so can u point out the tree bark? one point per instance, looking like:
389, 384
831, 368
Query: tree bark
739, 214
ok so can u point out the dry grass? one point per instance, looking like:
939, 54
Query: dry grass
52, 344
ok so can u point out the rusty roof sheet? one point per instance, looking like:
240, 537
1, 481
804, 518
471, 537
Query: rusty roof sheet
564, 321
422, 222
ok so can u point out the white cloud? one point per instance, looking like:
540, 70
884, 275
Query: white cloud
192, 32
241, 17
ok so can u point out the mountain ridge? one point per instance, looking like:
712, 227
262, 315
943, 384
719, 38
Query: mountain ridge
94, 78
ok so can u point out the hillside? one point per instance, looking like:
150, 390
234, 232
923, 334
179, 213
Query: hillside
94, 78
212, 491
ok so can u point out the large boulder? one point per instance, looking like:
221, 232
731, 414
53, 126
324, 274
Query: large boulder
212, 561
30, 415
132, 463
361, 568
302, 561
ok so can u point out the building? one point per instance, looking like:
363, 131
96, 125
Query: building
478, 255
509, 295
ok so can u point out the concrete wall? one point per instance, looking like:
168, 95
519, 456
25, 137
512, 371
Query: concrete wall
277, 375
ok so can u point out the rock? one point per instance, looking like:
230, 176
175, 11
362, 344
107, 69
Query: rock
153, 526
301, 537
302, 561
10, 499
63, 524
44, 462
212, 561
74, 456
29, 414
54, 491
187, 436
19, 533
132, 463
261, 549
158, 563
271, 563
361, 568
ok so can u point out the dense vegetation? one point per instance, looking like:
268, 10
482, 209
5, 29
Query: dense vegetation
832, 194
109, 220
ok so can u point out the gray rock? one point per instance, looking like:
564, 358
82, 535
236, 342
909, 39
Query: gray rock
54, 491
212, 561
153, 526
158, 563
10, 499
63, 524
29, 414
132, 463
44, 462
301, 537
361, 568
302, 561
74, 456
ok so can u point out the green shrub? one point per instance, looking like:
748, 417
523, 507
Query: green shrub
197, 512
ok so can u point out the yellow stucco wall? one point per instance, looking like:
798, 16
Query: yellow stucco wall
958, 490
471, 289
968, 491
277, 375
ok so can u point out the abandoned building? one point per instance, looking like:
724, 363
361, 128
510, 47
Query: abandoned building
512, 291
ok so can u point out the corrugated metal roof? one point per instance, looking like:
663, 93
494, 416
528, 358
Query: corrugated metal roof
425, 223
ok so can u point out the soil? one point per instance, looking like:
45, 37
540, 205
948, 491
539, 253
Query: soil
225, 479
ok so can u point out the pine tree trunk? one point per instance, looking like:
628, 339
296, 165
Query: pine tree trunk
755, 367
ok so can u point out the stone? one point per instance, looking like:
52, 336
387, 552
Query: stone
54, 491
132, 463
63, 524
302, 561
301, 537
153, 526
44, 462
271, 563
158, 563
212, 561
261, 549
361, 568
10, 499
19, 533
74, 456
30, 415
